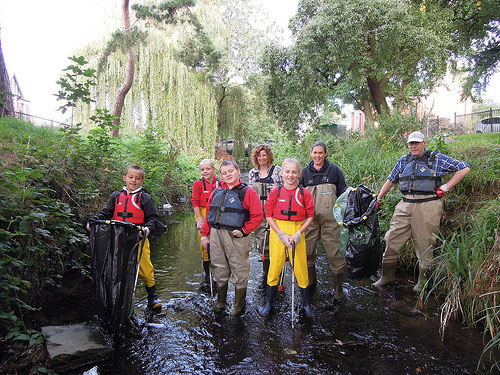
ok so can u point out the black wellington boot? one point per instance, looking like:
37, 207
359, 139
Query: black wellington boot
206, 268
306, 302
270, 295
153, 302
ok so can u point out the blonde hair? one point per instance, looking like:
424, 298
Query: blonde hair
291, 161
207, 161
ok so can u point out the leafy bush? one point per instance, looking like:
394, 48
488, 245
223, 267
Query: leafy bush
394, 127
39, 239
50, 182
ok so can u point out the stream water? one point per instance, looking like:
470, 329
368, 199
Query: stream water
371, 332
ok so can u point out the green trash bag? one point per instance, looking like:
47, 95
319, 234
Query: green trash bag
338, 214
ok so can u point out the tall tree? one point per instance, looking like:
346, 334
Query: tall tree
476, 37
129, 77
360, 52
6, 103
226, 49
164, 12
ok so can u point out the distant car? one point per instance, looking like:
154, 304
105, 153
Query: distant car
488, 125
228, 145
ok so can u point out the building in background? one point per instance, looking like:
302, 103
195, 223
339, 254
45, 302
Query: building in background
445, 106
357, 123
21, 104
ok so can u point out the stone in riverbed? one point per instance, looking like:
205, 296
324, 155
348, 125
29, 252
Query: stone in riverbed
74, 346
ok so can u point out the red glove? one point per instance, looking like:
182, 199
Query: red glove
440, 192
377, 205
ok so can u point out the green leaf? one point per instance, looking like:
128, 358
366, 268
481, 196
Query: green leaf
43, 232
40, 215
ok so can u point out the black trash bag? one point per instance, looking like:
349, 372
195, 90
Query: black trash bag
363, 253
113, 248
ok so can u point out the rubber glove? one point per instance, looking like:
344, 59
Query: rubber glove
284, 238
296, 237
205, 241
441, 190
144, 232
199, 223
237, 233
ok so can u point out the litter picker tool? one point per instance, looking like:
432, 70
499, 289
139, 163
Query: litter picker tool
292, 262
210, 277
263, 244
137, 272
281, 281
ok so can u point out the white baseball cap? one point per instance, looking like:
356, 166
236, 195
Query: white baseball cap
416, 137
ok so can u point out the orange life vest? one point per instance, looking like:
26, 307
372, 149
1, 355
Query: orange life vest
128, 208
290, 206
205, 194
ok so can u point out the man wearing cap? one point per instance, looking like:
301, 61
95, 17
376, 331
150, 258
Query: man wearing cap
418, 214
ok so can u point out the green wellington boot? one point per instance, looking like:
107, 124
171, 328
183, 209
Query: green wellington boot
239, 301
338, 279
422, 273
388, 274
221, 298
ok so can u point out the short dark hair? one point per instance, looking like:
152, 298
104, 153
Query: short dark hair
225, 163
136, 167
319, 143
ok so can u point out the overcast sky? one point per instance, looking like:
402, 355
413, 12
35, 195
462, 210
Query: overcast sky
38, 36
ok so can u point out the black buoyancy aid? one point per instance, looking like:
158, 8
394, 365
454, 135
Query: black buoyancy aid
226, 209
128, 208
205, 194
418, 176
309, 177
263, 186
289, 207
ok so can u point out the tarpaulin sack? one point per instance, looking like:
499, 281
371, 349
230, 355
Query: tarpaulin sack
363, 248
338, 214
113, 247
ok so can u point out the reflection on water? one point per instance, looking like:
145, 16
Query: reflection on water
371, 332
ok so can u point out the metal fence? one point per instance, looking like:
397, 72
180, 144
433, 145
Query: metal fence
40, 121
462, 124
